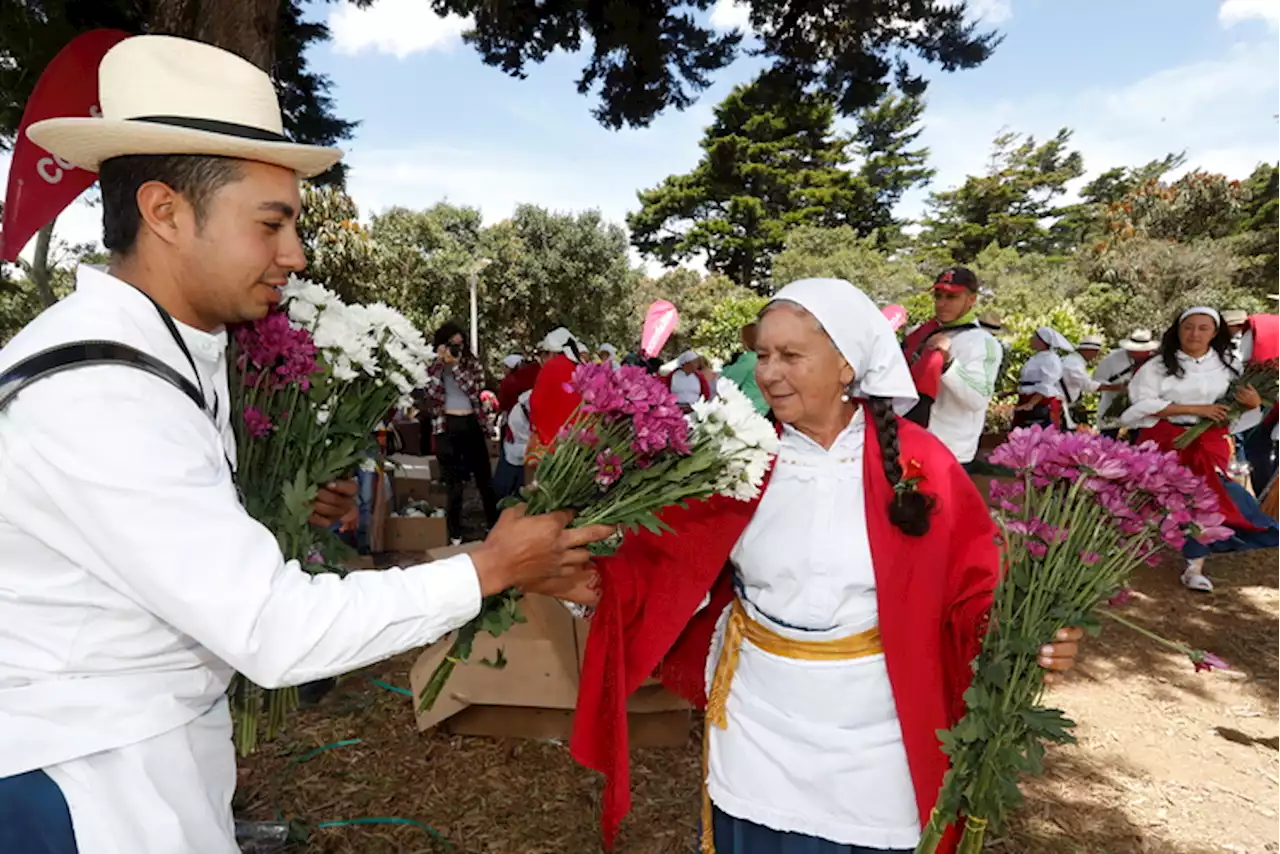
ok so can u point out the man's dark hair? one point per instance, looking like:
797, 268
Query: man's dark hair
195, 177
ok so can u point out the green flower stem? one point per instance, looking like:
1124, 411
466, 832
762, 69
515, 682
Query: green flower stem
1147, 633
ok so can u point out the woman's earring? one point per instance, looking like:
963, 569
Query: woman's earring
848, 394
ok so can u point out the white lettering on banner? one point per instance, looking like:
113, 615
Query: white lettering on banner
51, 169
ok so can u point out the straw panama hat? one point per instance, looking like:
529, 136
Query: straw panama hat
166, 95
1140, 341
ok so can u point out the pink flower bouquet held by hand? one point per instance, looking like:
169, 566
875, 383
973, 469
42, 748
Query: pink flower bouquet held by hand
1082, 513
625, 454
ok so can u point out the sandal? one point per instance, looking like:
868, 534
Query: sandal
1197, 581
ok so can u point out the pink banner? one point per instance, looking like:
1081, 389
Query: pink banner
659, 322
896, 315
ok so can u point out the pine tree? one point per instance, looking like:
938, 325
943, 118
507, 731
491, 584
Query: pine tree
890, 167
768, 166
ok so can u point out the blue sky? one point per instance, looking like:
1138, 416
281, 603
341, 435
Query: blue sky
1135, 79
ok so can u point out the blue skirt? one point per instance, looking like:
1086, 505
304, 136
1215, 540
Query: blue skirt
34, 818
1267, 538
739, 836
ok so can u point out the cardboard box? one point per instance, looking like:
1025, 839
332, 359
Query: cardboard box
406, 489
418, 534
422, 467
534, 695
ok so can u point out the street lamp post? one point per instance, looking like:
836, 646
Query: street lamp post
473, 280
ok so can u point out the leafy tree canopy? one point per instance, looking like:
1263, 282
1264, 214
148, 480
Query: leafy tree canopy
644, 56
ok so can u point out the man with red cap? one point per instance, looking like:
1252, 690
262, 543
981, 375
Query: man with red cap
954, 362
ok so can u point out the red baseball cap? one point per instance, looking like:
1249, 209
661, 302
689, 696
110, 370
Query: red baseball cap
956, 280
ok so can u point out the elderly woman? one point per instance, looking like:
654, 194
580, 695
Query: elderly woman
688, 382
1184, 384
834, 618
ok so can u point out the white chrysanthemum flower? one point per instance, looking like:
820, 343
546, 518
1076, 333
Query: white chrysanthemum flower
305, 300
323, 414
746, 440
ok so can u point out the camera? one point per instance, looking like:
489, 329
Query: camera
455, 350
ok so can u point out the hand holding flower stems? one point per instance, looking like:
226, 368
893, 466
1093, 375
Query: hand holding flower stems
1082, 513
625, 455
1246, 393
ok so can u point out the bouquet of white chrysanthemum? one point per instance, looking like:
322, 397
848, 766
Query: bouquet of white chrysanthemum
626, 454
311, 382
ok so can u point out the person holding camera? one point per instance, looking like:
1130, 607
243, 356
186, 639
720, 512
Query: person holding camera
451, 404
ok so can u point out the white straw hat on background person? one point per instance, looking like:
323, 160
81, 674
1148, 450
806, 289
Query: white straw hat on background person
166, 95
1140, 341
1090, 342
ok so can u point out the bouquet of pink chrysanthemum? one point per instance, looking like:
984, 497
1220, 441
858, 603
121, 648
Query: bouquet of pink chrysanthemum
1083, 512
626, 453
311, 382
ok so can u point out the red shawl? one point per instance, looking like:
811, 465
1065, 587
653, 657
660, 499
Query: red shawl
934, 595
926, 365
1209, 454
551, 403
1266, 347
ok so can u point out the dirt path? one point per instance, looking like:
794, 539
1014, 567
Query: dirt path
1169, 761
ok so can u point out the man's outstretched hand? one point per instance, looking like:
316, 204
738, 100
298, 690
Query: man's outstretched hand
333, 501
523, 550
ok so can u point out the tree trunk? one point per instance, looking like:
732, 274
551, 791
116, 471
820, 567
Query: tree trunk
244, 27
40, 272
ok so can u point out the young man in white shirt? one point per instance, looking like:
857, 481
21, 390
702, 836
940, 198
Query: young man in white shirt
970, 364
134, 583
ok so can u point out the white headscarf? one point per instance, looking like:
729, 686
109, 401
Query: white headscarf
861, 334
685, 358
513, 361
1055, 339
560, 340
1202, 309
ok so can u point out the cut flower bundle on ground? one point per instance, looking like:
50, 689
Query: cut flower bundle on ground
625, 454
311, 382
1083, 512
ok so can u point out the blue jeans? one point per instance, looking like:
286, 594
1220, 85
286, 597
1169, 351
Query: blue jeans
34, 818
739, 836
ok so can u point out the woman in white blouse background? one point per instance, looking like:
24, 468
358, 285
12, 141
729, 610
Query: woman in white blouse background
1181, 385
1041, 393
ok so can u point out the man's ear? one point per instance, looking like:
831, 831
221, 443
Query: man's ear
162, 210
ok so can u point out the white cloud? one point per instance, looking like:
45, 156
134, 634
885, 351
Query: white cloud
731, 15
1233, 12
1220, 111
990, 11
396, 27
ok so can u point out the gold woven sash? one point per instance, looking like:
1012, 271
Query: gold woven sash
739, 628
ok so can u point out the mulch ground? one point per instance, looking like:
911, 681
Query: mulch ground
1169, 761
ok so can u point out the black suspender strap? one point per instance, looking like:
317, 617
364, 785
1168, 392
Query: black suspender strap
182, 345
55, 360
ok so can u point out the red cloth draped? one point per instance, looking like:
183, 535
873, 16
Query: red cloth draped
933, 592
1266, 347
551, 404
516, 383
926, 365
1209, 454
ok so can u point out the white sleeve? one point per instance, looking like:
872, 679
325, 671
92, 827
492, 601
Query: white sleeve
1042, 374
1144, 394
1076, 373
141, 483
975, 366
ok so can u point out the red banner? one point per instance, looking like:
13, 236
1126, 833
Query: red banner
41, 185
